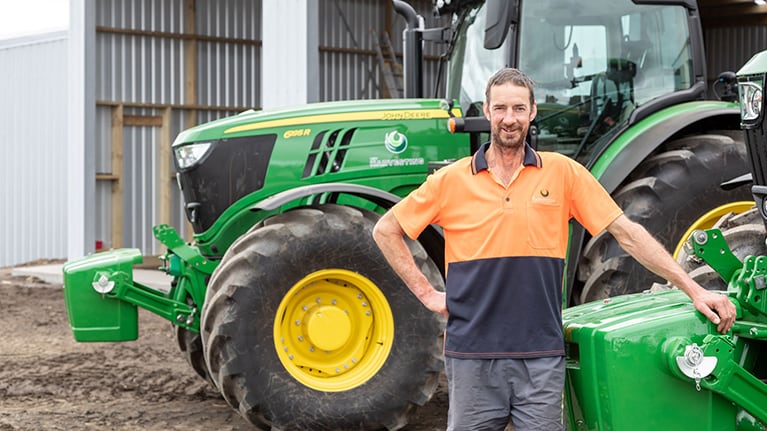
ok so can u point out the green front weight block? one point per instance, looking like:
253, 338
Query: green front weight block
93, 314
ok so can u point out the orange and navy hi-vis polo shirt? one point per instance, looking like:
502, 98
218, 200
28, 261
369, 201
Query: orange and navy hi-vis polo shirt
505, 248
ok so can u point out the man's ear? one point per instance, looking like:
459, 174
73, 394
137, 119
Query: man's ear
486, 110
533, 111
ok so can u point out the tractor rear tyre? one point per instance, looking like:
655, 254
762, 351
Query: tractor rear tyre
666, 194
744, 234
306, 327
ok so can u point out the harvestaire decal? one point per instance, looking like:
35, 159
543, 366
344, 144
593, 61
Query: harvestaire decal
396, 143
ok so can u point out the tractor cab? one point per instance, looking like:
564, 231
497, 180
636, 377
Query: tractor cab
598, 66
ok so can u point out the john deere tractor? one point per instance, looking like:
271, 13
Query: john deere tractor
284, 303
656, 351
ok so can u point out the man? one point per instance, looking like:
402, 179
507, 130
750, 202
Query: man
504, 214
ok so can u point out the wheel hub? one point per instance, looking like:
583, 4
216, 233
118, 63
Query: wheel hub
333, 330
328, 327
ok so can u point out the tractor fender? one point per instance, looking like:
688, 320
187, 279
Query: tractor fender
377, 196
634, 144
431, 238
619, 159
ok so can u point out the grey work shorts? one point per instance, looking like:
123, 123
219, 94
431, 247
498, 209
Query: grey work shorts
485, 393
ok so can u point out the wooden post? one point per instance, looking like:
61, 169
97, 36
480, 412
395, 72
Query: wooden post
165, 176
190, 61
117, 176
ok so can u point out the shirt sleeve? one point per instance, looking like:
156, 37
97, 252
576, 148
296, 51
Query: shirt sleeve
420, 208
590, 204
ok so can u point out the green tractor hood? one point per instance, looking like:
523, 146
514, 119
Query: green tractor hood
228, 165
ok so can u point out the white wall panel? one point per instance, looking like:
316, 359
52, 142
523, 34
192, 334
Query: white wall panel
33, 170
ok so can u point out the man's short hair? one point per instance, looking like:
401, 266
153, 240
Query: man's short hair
513, 76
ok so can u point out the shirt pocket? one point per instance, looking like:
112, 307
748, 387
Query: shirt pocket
544, 225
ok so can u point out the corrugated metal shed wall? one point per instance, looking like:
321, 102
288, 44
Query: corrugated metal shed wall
144, 60
728, 48
349, 33
34, 128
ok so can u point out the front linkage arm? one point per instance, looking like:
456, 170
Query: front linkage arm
110, 275
718, 364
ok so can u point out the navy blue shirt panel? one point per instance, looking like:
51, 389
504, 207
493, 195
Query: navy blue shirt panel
507, 307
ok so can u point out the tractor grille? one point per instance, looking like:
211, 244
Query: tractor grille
328, 152
231, 169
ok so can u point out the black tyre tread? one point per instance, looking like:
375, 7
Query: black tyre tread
190, 344
281, 403
665, 193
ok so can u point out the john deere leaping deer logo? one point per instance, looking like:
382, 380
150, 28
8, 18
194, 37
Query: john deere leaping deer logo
395, 142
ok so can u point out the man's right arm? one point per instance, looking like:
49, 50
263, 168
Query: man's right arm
389, 236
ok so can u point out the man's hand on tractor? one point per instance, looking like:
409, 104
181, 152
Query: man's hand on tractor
716, 307
636, 241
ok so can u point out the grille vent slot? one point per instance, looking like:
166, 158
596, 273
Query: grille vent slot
328, 152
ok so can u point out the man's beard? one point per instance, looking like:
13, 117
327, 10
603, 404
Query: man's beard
508, 142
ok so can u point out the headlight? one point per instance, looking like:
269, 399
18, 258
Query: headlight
750, 100
188, 155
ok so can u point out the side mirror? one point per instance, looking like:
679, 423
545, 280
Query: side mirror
500, 14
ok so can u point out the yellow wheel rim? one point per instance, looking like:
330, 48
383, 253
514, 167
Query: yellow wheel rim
710, 218
333, 330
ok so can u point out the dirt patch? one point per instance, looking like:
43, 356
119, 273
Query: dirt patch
50, 382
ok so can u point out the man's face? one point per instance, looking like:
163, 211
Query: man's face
510, 113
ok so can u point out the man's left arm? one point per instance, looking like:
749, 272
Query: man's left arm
637, 242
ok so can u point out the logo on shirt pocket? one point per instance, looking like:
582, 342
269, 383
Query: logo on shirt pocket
543, 197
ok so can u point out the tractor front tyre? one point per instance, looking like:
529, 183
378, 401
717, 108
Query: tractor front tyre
667, 194
306, 327
190, 344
